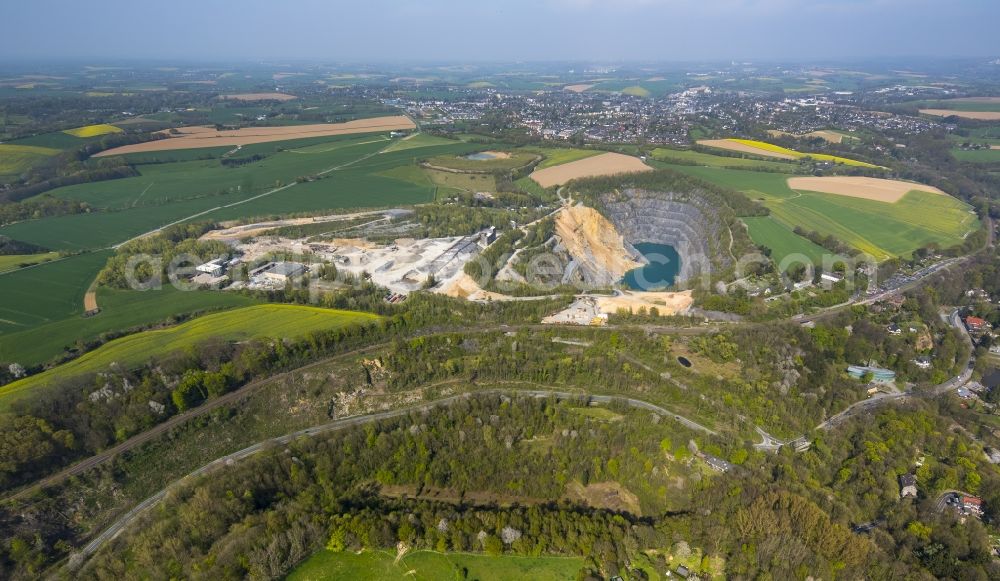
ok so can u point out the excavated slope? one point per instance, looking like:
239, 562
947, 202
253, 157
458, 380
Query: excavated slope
600, 251
685, 221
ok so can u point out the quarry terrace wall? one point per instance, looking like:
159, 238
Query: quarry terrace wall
686, 221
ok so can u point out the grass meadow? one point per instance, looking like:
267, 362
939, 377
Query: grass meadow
16, 159
709, 160
431, 566
10, 262
33, 344
768, 232
277, 321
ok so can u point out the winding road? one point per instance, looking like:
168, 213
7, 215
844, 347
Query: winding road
128, 518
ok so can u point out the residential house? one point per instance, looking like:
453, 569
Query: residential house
894, 329
975, 324
972, 505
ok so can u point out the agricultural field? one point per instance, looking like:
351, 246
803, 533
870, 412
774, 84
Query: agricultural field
192, 190
16, 159
762, 148
278, 321
978, 108
706, 159
553, 156
975, 115
431, 566
884, 230
198, 137
93, 130
979, 155
173, 191
120, 310
46, 293
599, 165
767, 232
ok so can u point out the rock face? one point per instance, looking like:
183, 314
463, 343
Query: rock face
599, 251
686, 221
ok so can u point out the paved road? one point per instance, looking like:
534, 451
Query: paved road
866, 405
247, 389
122, 523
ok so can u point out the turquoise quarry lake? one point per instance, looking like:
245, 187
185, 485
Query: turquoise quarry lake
663, 268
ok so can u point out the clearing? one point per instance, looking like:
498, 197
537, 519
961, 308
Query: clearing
433, 566
889, 191
273, 320
577, 88
607, 495
601, 165
199, 137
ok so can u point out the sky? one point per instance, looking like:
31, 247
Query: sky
497, 30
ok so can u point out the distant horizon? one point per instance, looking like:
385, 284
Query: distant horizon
111, 61
399, 31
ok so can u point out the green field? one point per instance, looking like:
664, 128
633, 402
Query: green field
429, 566
120, 310
768, 232
16, 159
516, 160
977, 156
554, 156
277, 321
46, 293
418, 140
880, 229
353, 172
10, 262
706, 159
174, 191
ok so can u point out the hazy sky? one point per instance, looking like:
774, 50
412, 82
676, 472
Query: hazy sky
497, 30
